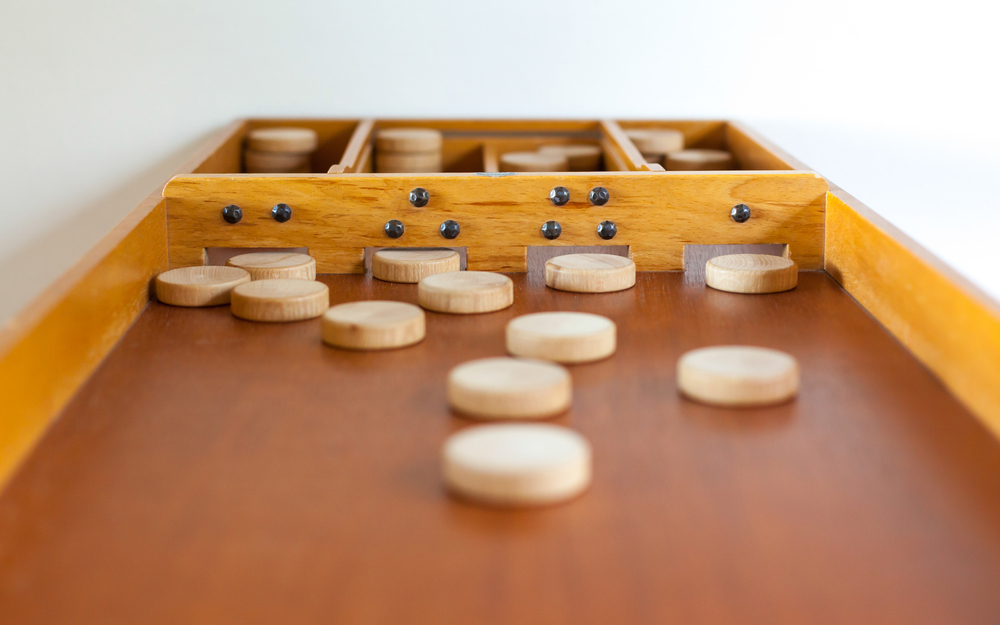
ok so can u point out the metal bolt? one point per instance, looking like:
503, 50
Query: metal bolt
559, 196
551, 230
232, 213
450, 229
281, 213
394, 228
740, 213
419, 197
607, 230
599, 196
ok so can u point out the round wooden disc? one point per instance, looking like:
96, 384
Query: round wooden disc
566, 337
656, 141
199, 286
509, 388
272, 265
517, 464
699, 160
295, 140
579, 157
373, 325
738, 376
751, 273
465, 292
410, 266
590, 273
400, 163
533, 162
408, 140
280, 300
276, 162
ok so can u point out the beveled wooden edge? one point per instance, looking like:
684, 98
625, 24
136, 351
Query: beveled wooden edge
352, 162
51, 347
948, 324
621, 146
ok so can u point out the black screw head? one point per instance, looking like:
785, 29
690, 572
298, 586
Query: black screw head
740, 213
450, 229
232, 214
281, 213
551, 230
599, 196
394, 228
419, 197
559, 196
607, 230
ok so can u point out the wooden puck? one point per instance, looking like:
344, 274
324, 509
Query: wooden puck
566, 337
579, 157
199, 286
533, 162
517, 464
465, 292
509, 388
410, 266
656, 141
272, 265
373, 325
293, 140
400, 163
699, 160
738, 376
751, 273
280, 300
408, 140
276, 162
590, 273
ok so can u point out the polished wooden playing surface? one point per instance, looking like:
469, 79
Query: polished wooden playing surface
214, 470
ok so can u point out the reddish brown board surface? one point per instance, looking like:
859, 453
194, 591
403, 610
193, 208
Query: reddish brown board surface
219, 471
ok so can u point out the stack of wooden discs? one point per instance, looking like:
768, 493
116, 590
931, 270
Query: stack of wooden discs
699, 160
280, 150
579, 156
408, 150
656, 143
534, 162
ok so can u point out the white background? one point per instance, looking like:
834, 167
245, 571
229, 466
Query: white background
100, 100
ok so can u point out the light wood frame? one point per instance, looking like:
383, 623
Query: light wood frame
50, 348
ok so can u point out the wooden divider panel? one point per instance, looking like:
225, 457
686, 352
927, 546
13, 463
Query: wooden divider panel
500, 215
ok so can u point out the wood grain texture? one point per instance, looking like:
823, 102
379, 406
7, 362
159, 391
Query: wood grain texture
656, 214
590, 273
751, 273
465, 292
199, 286
280, 300
271, 265
371, 325
410, 266
188, 482
948, 324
